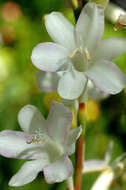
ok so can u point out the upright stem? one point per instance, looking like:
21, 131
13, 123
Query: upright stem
80, 148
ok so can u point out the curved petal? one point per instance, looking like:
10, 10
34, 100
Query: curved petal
69, 147
47, 82
107, 77
60, 30
90, 26
73, 135
49, 56
27, 173
71, 84
31, 120
59, 122
110, 48
59, 170
94, 166
95, 93
14, 145
104, 181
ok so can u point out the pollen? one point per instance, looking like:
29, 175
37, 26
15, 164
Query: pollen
38, 137
36, 140
87, 55
73, 53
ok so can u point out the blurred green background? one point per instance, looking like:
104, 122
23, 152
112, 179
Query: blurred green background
21, 28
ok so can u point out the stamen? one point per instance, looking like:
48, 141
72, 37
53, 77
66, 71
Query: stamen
36, 140
73, 53
87, 55
81, 51
37, 137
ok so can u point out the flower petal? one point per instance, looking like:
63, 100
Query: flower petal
104, 181
14, 145
95, 93
110, 48
60, 30
59, 170
107, 77
27, 173
49, 56
90, 26
94, 166
73, 135
70, 149
47, 82
59, 122
31, 120
71, 84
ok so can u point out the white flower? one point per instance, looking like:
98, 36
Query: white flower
108, 171
46, 143
48, 82
80, 53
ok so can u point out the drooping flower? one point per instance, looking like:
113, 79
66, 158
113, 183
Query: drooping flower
80, 53
109, 171
45, 143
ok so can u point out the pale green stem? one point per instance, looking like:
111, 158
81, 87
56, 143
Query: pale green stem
69, 182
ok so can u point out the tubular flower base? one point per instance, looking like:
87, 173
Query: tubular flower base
79, 54
46, 143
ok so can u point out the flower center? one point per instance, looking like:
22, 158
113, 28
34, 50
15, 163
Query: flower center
54, 149
80, 59
37, 137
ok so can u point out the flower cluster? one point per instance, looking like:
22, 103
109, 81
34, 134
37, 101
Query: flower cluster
79, 57
46, 143
79, 54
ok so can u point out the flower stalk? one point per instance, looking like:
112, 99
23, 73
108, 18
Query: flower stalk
80, 148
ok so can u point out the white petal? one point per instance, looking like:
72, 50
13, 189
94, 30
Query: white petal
14, 145
59, 122
94, 166
108, 154
95, 93
110, 48
27, 173
60, 30
71, 84
49, 56
70, 149
107, 77
31, 120
90, 26
47, 82
104, 180
59, 170
73, 135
